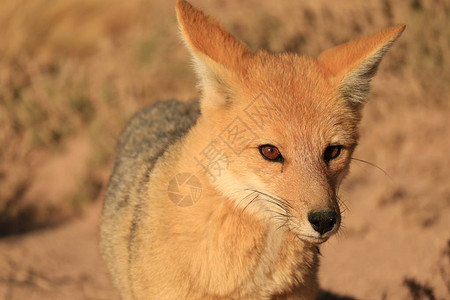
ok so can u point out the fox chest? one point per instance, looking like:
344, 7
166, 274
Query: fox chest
286, 264
277, 265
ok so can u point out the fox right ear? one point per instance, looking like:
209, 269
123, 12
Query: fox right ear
216, 53
353, 64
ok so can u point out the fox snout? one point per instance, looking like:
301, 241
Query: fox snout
323, 221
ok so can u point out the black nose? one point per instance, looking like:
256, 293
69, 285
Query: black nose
322, 221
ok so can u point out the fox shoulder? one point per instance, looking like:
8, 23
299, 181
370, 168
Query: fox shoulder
146, 137
151, 130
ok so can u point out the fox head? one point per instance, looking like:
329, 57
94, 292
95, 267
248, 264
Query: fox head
287, 124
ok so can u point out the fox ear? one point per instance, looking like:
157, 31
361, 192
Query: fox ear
353, 64
216, 52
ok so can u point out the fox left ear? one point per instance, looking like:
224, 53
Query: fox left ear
352, 65
216, 53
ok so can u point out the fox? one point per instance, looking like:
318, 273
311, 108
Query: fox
230, 196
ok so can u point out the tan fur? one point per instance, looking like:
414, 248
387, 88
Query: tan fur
235, 243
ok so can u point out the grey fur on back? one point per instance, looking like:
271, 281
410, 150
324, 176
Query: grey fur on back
147, 136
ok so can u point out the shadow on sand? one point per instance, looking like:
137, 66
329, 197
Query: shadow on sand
327, 295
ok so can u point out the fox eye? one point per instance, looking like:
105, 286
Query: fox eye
271, 153
331, 152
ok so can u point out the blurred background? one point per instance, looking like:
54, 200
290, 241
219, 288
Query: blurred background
72, 72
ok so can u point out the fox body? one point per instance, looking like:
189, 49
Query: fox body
229, 197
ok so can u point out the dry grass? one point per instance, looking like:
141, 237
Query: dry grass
72, 73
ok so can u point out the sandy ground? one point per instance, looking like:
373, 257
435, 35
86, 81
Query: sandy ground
58, 263
395, 239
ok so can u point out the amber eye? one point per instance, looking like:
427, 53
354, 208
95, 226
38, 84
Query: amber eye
271, 153
331, 152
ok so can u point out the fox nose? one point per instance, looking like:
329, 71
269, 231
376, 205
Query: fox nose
322, 221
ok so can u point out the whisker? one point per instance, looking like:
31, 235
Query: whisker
280, 203
236, 206
281, 226
282, 221
251, 201
270, 201
256, 198
280, 200
372, 165
276, 203
342, 204
278, 213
